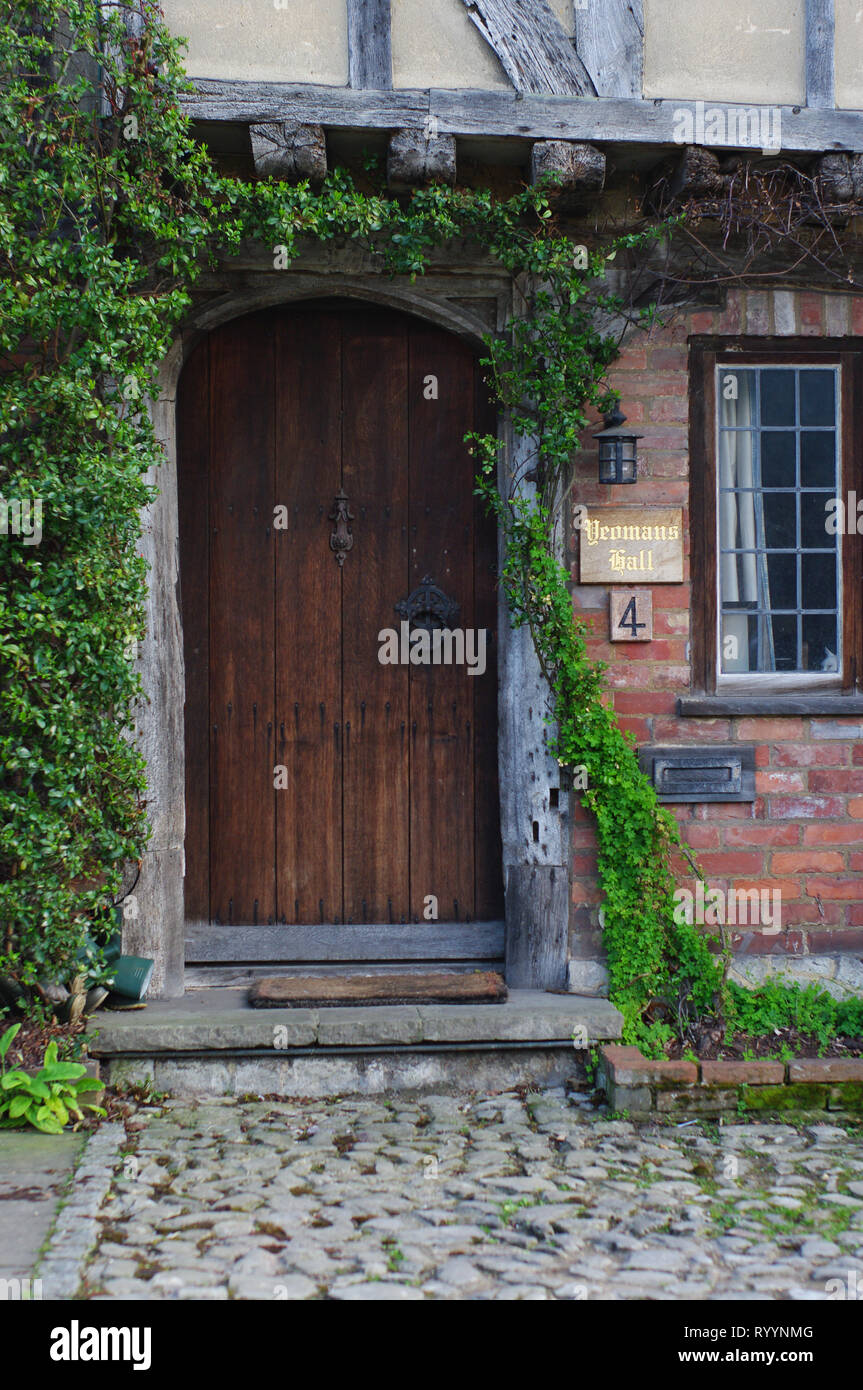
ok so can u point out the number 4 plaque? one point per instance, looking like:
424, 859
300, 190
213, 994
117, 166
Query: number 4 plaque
631, 615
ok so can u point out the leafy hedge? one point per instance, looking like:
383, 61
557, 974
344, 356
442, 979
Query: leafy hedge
97, 240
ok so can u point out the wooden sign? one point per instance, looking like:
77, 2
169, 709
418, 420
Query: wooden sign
630, 614
620, 544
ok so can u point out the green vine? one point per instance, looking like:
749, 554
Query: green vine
106, 219
661, 973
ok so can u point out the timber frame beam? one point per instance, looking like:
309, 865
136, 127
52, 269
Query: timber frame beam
820, 54
496, 114
370, 63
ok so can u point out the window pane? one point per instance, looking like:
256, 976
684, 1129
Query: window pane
779, 459
817, 458
780, 520
782, 581
730, 517
820, 650
817, 405
784, 632
777, 398
737, 641
814, 518
819, 581
737, 389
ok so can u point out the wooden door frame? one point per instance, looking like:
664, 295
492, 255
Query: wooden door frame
467, 300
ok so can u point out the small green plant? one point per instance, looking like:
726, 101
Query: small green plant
45, 1101
142, 1092
509, 1208
808, 1010
591, 1065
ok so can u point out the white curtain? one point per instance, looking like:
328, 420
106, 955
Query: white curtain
742, 578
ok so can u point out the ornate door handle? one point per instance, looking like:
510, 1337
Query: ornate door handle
427, 606
341, 539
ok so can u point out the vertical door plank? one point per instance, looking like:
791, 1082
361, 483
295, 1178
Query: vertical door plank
308, 619
442, 696
375, 473
489, 852
242, 831
193, 453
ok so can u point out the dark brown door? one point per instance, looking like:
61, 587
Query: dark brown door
325, 788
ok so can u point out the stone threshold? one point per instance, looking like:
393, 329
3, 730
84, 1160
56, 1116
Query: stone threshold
219, 1022
643, 1087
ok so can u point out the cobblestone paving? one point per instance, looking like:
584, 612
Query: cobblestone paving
474, 1198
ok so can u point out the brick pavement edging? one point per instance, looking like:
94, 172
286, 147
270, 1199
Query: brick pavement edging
640, 1086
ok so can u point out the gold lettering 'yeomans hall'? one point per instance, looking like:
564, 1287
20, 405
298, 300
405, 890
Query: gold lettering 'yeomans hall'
616, 542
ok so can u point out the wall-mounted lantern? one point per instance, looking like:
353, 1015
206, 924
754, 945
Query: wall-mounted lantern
618, 459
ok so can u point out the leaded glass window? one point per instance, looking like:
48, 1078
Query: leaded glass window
779, 576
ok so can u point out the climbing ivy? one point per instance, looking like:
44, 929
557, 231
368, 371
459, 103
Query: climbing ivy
109, 210
98, 237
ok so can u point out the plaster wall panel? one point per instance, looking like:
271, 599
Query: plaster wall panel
251, 40
435, 45
737, 51
849, 53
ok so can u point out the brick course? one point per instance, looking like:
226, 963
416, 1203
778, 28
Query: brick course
642, 1087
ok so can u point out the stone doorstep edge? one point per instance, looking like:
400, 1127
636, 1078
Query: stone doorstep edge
642, 1085
284, 1031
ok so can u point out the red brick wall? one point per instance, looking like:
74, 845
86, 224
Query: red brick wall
803, 834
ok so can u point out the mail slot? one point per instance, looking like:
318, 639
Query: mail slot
701, 774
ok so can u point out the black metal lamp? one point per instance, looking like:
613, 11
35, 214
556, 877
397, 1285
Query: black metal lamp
618, 456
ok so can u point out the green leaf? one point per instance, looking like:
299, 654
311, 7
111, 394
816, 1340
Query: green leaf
7, 1039
88, 1083
43, 1120
20, 1105
62, 1071
56, 1107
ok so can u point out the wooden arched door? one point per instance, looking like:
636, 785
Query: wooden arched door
335, 802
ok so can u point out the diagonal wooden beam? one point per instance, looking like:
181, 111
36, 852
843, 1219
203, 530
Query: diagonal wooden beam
534, 50
370, 62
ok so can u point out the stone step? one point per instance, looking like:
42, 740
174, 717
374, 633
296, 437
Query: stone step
211, 1042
